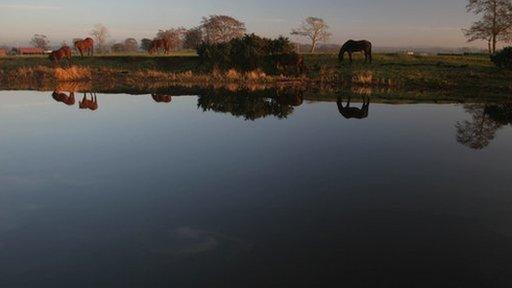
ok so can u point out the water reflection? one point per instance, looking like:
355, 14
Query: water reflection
253, 105
91, 104
160, 98
88, 102
477, 133
62, 97
487, 119
352, 112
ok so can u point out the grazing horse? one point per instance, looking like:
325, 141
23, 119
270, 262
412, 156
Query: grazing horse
64, 98
352, 46
161, 98
91, 104
290, 61
159, 44
352, 112
85, 47
62, 53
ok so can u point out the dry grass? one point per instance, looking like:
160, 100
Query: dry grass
73, 73
363, 78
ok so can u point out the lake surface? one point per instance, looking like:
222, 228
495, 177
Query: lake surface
222, 192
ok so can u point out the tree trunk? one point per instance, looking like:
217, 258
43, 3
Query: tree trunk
494, 41
313, 46
489, 48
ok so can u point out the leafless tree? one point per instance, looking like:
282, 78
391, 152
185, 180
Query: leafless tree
494, 26
193, 38
40, 41
100, 34
222, 28
173, 37
315, 29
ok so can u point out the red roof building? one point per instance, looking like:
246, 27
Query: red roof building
3, 52
29, 51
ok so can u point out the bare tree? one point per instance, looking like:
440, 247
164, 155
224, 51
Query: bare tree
131, 45
222, 28
193, 38
100, 34
494, 26
173, 37
40, 41
315, 29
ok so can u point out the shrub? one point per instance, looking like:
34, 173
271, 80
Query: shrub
503, 58
248, 53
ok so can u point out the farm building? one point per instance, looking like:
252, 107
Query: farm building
28, 51
3, 52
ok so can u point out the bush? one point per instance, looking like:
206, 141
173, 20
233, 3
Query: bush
503, 58
245, 54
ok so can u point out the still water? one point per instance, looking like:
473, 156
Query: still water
157, 191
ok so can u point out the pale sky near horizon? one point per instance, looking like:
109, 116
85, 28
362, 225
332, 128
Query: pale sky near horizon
389, 23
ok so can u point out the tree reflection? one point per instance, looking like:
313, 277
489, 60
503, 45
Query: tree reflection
487, 119
252, 105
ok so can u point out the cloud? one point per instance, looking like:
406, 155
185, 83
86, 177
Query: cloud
29, 7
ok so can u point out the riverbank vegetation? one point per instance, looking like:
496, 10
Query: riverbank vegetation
462, 73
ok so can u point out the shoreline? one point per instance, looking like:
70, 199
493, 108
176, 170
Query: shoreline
470, 76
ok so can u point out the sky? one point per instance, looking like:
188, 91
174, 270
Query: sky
387, 23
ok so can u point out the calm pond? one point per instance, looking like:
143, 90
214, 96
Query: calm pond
214, 191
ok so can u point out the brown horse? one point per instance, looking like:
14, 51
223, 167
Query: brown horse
158, 45
85, 47
64, 98
62, 53
352, 46
290, 62
352, 112
91, 104
161, 98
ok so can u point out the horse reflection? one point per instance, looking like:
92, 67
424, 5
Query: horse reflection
161, 98
91, 104
352, 112
64, 98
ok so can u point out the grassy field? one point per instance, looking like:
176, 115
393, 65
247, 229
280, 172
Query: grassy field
464, 74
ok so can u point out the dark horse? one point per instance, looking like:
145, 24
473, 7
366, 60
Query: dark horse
85, 47
62, 53
352, 112
352, 46
159, 44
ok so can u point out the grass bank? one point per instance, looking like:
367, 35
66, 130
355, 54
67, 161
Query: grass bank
464, 74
